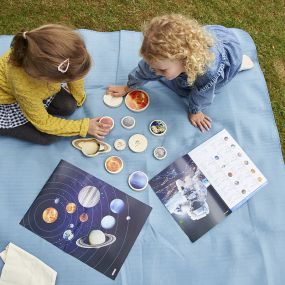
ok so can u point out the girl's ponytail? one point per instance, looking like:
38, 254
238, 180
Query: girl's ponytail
19, 47
53, 53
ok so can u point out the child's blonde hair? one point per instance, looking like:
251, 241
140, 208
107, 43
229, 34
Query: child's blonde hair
176, 37
41, 51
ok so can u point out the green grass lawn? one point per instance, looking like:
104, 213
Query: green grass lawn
263, 20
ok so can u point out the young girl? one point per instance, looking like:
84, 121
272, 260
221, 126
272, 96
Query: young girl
31, 93
190, 59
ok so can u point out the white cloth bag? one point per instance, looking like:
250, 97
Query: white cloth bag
22, 268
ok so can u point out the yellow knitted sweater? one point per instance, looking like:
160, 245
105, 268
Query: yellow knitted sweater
17, 86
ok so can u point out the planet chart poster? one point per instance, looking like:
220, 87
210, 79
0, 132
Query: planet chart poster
87, 218
206, 185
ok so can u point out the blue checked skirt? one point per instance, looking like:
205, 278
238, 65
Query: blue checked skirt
11, 115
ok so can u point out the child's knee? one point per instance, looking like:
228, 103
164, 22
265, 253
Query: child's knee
69, 107
63, 104
62, 107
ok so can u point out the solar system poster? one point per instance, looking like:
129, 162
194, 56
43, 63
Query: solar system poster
189, 197
87, 218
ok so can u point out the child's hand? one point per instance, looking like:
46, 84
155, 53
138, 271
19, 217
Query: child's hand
98, 130
200, 121
118, 90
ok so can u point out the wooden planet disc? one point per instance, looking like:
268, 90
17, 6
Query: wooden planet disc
112, 101
119, 144
158, 127
137, 100
108, 121
138, 181
114, 164
160, 152
128, 122
138, 143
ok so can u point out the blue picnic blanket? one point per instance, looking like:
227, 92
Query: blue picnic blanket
246, 248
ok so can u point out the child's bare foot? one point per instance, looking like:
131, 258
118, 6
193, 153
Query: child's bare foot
246, 63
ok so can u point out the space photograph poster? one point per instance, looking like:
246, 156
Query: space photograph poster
204, 186
87, 218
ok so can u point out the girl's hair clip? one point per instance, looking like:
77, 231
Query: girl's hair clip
63, 67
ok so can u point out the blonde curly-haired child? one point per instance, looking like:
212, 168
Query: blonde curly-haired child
191, 59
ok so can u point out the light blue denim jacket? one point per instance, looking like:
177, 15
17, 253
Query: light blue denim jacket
228, 58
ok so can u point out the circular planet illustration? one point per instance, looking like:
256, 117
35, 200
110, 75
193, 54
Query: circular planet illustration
138, 180
120, 144
83, 217
90, 148
112, 101
70, 208
114, 164
89, 196
137, 100
50, 215
108, 222
160, 152
117, 206
128, 122
68, 235
108, 121
56, 201
138, 143
96, 239
158, 127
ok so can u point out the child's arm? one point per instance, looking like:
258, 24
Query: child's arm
136, 79
141, 75
198, 100
76, 88
36, 113
118, 90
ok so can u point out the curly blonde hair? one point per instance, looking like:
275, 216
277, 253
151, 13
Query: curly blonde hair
177, 37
